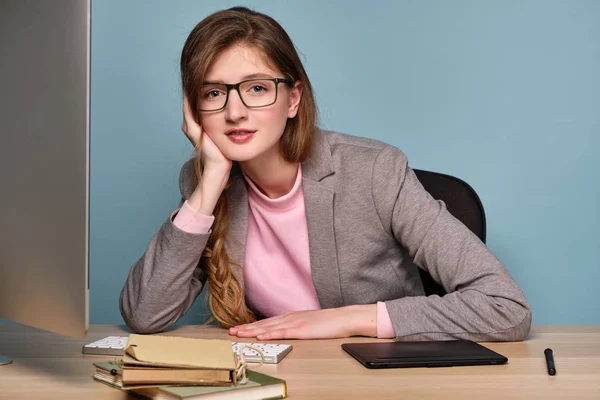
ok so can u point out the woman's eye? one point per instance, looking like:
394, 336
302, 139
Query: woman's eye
258, 89
212, 94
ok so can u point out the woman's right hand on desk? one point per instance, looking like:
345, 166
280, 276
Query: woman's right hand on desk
216, 167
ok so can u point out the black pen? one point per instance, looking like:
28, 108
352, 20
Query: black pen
550, 362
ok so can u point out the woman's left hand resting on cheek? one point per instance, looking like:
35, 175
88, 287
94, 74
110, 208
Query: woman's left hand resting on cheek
359, 320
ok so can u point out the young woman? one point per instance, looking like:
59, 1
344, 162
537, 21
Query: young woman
298, 232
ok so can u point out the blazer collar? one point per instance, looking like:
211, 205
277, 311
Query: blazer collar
320, 164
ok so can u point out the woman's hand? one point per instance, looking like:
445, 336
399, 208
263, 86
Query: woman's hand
189, 126
212, 158
313, 324
216, 167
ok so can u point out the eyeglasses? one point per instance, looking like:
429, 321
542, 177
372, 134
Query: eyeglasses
255, 93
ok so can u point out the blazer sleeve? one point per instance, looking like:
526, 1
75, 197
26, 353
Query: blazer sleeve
483, 302
163, 284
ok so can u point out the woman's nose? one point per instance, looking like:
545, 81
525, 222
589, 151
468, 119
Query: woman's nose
235, 109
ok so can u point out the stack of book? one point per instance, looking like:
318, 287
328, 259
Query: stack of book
166, 367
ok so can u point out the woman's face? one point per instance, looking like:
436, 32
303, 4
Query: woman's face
242, 133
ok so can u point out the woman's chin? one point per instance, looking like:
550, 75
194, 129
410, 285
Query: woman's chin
239, 156
250, 152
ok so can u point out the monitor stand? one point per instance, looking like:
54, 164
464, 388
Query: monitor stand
5, 360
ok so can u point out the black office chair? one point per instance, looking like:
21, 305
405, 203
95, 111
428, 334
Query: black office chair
462, 202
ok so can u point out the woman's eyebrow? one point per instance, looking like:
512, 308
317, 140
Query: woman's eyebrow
257, 75
246, 77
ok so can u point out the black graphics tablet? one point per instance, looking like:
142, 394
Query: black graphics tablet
423, 354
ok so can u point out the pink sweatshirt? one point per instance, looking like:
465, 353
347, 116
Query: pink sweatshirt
277, 275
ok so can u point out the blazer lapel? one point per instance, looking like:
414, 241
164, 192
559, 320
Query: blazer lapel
319, 200
238, 219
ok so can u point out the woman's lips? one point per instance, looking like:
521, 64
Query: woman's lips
240, 136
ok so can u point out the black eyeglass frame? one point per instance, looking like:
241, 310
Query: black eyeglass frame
236, 86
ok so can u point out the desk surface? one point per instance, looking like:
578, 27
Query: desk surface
50, 366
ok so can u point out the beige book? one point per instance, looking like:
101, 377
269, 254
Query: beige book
158, 359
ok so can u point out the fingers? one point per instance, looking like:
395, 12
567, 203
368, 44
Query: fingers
269, 333
188, 119
189, 126
186, 107
282, 333
277, 334
278, 319
279, 327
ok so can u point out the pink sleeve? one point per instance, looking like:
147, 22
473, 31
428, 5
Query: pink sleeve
385, 330
191, 221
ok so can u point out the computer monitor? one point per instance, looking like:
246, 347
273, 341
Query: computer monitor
44, 164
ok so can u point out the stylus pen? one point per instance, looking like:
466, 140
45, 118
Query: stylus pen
550, 362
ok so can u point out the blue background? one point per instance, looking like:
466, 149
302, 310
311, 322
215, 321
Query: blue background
503, 94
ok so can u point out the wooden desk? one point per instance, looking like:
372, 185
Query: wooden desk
50, 366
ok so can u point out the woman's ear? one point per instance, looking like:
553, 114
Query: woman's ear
294, 98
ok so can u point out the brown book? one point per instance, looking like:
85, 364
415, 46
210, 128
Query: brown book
259, 386
170, 376
155, 359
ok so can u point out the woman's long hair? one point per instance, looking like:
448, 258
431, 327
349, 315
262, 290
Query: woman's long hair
214, 34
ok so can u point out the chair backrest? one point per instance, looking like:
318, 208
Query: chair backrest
462, 202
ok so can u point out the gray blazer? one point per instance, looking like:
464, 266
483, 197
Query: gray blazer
371, 224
